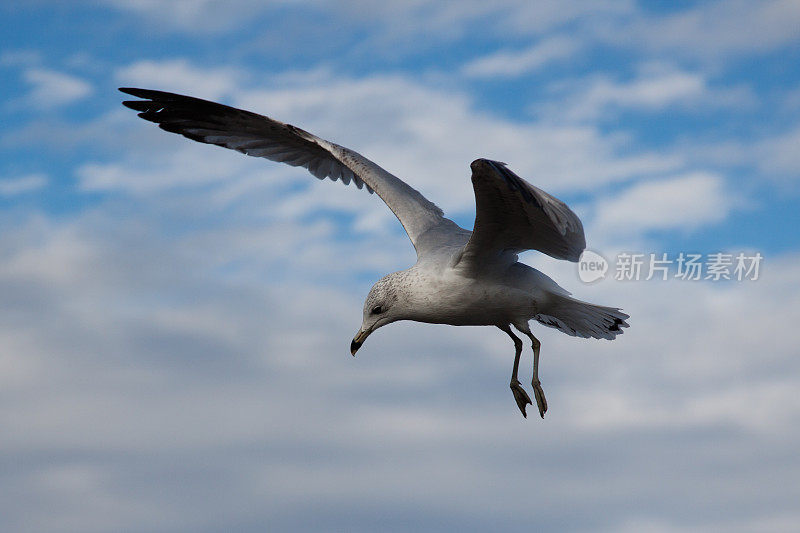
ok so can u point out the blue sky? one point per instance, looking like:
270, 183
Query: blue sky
175, 318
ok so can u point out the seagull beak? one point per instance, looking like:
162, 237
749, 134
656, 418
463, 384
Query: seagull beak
358, 340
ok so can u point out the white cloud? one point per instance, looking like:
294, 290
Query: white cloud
185, 165
515, 63
716, 30
180, 76
772, 157
655, 88
195, 15
780, 155
391, 22
22, 184
20, 57
790, 100
54, 89
649, 92
682, 202
709, 30
542, 17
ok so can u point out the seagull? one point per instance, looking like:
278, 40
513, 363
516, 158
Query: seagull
461, 277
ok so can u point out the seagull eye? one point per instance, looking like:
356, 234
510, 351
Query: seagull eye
377, 310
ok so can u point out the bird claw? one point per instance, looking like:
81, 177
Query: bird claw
538, 394
521, 397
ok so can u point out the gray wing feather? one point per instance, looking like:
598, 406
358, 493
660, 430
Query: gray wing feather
511, 215
260, 136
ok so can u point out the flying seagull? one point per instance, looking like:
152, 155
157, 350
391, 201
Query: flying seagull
461, 277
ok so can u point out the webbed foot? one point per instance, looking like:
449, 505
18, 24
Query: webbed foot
538, 394
521, 397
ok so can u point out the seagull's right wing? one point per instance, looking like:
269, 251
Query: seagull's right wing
511, 215
261, 136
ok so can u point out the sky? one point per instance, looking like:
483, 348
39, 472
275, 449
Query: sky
175, 318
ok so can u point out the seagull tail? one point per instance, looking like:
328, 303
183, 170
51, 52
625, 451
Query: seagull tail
582, 319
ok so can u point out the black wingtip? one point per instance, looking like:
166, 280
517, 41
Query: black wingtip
130, 90
150, 94
619, 323
137, 105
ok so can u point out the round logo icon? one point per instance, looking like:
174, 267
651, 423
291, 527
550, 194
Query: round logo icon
592, 266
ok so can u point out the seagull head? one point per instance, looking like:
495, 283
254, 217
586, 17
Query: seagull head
384, 304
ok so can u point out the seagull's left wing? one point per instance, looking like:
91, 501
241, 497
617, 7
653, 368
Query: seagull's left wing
260, 136
511, 215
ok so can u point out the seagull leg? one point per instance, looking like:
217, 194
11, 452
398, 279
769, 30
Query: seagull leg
520, 396
538, 392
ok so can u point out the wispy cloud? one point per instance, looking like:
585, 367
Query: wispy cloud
204, 16
508, 63
682, 202
717, 30
654, 88
780, 155
179, 75
22, 184
51, 89
772, 158
20, 58
705, 31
